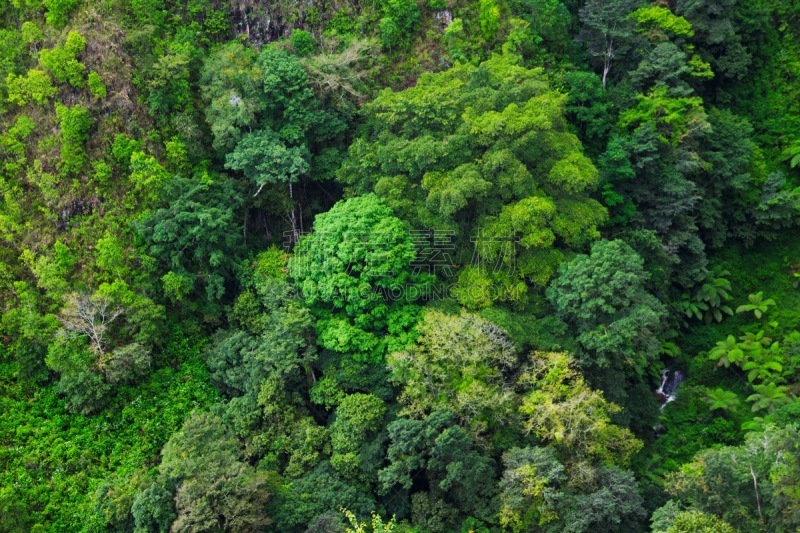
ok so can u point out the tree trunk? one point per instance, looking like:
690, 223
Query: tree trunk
607, 60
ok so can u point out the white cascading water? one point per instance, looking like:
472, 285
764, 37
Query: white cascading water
668, 390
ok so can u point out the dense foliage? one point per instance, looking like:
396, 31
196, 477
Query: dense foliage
410, 266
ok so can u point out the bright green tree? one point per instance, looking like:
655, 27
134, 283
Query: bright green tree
357, 264
62, 61
458, 363
30, 32
35, 86
96, 85
58, 11
482, 151
561, 409
75, 123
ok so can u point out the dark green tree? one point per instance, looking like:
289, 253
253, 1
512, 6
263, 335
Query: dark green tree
718, 43
607, 32
153, 509
753, 485
304, 500
614, 504
216, 490
456, 472
530, 488
603, 295
199, 236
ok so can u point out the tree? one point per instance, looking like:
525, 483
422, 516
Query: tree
482, 152
153, 509
668, 62
85, 391
751, 485
530, 488
167, 79
90, 315
35, 86
457, 363
58, 11
604, 296
338, 77
666, 65
356, 263
231, 84
276, 426
715, 35
75, 123
727, 352
658, 23
659, 147
292, 109
317, 493
590, 107
303, 43
105, 339
358, 417
96, 85
216, 490
263, 367
614, 505
607, 31
198, 235
285, 122
148, 177
29, 330
456, 471
126, 363
399, 20
730, 179
489, 18
563, 410
30, 32
240, 361
263, 158
62, 61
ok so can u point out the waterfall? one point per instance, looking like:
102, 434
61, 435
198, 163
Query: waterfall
664, 377
668, 390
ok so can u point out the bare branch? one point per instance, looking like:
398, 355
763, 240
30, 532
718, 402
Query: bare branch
90, 316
